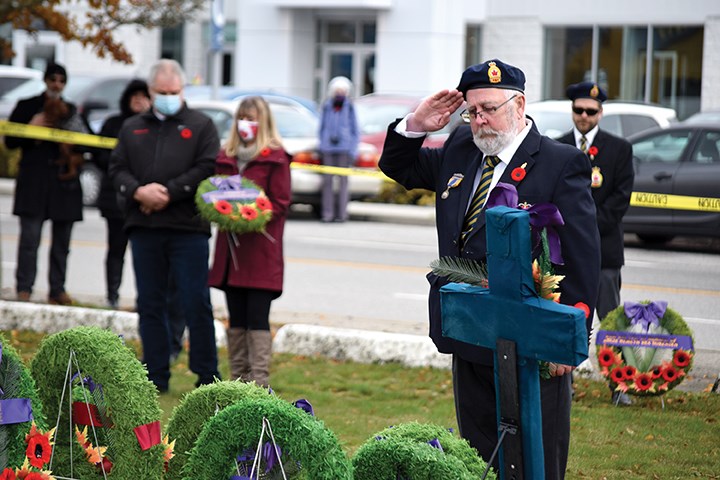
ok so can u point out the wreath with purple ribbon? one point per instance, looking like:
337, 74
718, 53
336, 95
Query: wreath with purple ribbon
645, 348
235, 203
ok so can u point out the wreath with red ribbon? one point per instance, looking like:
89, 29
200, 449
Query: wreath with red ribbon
644, 349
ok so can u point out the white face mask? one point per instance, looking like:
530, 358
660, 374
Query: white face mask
247, 130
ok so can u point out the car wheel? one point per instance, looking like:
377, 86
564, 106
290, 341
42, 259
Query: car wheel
90, 181
654, 239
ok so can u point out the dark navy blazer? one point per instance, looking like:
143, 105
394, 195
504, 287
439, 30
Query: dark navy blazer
555, 173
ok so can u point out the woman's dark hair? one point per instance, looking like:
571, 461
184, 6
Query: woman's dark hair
131, 89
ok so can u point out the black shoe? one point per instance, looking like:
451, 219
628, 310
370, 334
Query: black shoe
206, 381
621, 398
162, 388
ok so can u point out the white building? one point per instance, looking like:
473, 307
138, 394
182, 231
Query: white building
420, 46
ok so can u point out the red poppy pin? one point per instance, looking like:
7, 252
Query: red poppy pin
592, 151
518, 173
186, 133
265, 152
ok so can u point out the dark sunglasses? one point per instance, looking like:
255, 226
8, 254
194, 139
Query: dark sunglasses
591, 112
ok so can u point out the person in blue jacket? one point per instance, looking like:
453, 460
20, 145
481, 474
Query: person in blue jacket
339, 139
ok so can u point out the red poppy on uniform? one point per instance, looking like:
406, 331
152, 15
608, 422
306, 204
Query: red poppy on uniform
593, 150
518, 174
186, 133
265, 152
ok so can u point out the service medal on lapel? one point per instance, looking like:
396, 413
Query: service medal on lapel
452, 183
596, 178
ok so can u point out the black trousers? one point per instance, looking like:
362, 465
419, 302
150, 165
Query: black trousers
30, 235
475, 408
117, 241
249, 308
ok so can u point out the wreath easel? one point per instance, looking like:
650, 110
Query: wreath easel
86, 375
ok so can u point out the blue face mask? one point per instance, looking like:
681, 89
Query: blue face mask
167, 104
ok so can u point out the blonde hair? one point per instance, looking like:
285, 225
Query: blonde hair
267, 134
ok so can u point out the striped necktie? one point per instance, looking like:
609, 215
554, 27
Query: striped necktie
480, 195
583, 144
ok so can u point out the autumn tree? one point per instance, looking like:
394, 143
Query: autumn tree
96, 26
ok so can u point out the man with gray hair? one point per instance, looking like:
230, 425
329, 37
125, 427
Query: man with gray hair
160, 158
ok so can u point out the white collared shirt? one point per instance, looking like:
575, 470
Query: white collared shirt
590, 136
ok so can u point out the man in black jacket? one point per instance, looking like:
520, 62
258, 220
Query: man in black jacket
542, 170
612, 180
160, 158
44, 191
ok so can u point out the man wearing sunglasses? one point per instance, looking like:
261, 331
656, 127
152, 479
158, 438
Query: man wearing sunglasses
612, 183
500, 144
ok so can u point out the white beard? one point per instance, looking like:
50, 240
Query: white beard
492, 142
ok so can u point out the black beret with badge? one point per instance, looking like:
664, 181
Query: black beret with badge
586, 90
492, 74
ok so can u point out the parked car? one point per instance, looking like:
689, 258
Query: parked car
11, 77
554, 117
682, 160
712, 116
375, 111
298, 128
228, 92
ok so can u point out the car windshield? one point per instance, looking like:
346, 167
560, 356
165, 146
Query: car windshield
552, 124
703, 117
294, 122
73, 89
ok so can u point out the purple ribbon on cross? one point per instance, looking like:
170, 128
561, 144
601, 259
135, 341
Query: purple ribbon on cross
542, 216
645, 314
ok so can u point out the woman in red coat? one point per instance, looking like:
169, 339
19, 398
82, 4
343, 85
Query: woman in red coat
249, 267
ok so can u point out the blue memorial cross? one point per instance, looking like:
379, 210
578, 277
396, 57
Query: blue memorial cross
510, 318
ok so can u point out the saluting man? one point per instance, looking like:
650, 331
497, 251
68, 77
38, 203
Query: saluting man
611, 184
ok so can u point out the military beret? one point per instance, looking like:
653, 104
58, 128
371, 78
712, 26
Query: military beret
492, 74
586, 90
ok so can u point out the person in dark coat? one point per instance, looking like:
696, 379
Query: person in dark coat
249, 268
160, 158
339, 140
134, 99
499, 141
44, 191
611, 181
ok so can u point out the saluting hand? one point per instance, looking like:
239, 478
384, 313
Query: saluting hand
434, 111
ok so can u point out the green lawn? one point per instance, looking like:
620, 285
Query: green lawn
643, 441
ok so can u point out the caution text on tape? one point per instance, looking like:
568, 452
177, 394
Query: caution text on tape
675, 202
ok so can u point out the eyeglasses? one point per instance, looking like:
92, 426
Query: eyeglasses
591, 112
483, 112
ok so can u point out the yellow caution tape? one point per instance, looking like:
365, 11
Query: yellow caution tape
676, 202
340, 170
12, 129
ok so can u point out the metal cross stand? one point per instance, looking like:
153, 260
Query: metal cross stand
522, 329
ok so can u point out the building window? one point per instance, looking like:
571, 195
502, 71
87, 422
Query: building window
172, 43
671, 78
472, 45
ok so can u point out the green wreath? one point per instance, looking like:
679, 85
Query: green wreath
418, 452
235, 430
128, 401
234, 203
16, 383
643, 371
196, 408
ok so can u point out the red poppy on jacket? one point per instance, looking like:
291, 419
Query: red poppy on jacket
593, 151
518, 174
265, 152
186, 133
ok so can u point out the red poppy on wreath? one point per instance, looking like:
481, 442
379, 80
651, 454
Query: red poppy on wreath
606, 357
186, 133
656, 372
265, 152
618, 375
670, 374
629, 372
518, 173
39, 446
36, 476
7, 474
644, 382
224, 207
248, 212
681, 358
592, 151
263, 203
